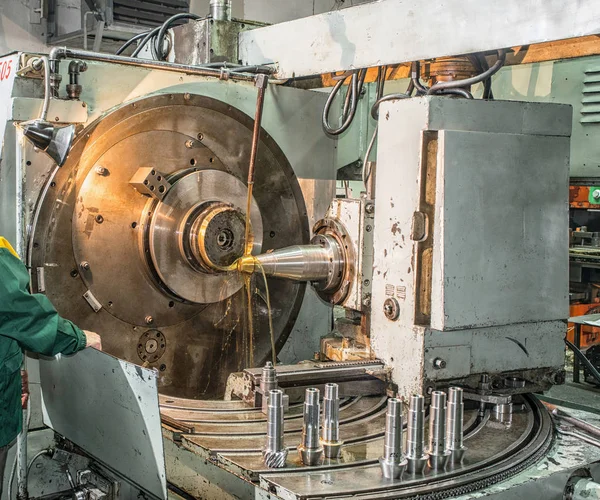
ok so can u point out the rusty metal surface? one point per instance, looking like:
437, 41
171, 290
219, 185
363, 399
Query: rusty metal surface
204, 343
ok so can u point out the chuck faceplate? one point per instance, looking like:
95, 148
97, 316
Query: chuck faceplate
157, 262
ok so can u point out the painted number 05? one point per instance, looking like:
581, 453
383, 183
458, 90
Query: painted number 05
5, 67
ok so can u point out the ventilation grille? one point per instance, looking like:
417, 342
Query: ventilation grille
590, 102
147, 12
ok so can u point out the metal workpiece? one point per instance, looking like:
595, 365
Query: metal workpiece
454, 425
393, 462
438, 453
321, 261
220, 10
310, 450
330, 432
269, 382
275, 453
268, 379
415, 436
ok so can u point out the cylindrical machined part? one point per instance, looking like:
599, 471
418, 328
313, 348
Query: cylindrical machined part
220, 10
268, 380
438, 454
454, 424
415, 435
310, 449
393, 462
330, 432
275, 452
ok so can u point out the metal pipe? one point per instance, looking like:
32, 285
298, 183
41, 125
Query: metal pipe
438, 454
583, 437
275, 452
260, 82
310, 450
576, 422
415, 435
37, 64
393, 463
454, 424
330, 434
59, 53
220, 10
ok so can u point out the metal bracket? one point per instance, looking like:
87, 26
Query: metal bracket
150, 182
351, 172
495, 399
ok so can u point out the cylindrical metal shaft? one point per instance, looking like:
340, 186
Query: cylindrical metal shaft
454, 424
220, 10
317, 262
331, 422
310, 449
438, 455
268, 380
393, 462
415, 437
275, 452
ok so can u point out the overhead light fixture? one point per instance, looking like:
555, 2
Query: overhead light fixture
54, 141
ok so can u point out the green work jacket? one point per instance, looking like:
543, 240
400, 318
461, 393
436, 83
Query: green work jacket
28, 322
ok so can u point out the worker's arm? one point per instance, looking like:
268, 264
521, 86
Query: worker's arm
30, 319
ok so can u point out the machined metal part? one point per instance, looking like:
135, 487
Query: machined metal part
438, 452
454, 425
318, 262
197, 230
147, 181
367, 35
268, 382
310, 449
275, 453
233, 434
138, 249
220, 10
415, 436
330, 431
393, 462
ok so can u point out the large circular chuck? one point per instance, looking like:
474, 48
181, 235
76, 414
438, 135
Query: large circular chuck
196, 233
138, 231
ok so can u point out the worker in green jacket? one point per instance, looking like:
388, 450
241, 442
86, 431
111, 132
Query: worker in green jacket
28, 322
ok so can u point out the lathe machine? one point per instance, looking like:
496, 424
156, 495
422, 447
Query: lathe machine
431, 306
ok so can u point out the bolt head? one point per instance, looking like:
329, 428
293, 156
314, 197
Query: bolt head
370, 208
439, 363
85, 265
149, 320
596, 194
101, 170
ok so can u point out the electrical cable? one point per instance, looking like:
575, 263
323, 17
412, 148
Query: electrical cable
159, 41
583, 358
355, 87
47, 451
122, 48
415, 68
467, 82
148, 36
